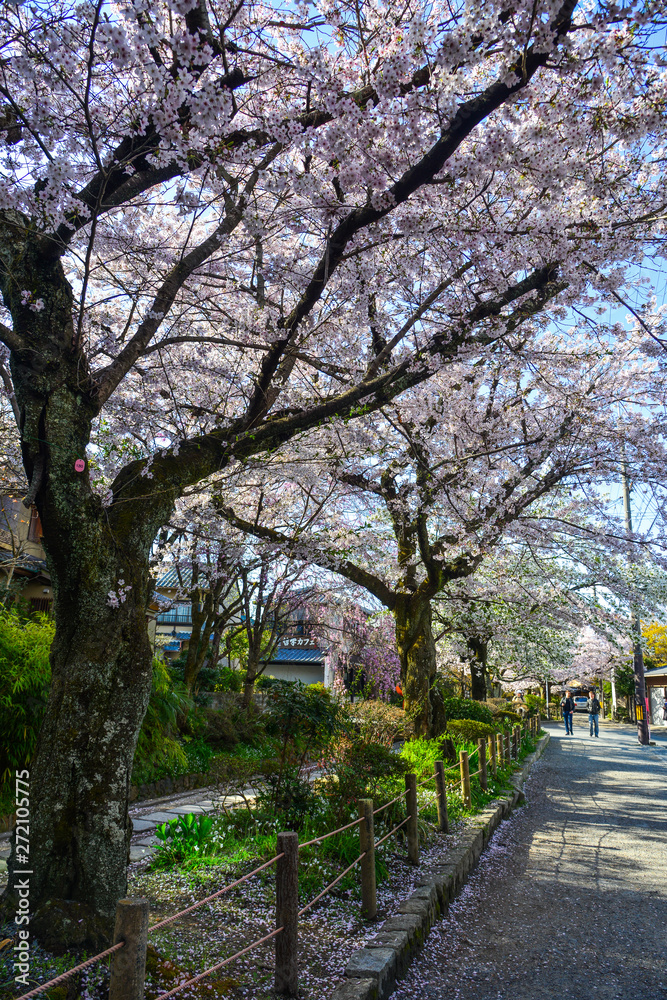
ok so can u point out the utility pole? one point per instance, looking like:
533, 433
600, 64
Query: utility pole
638, 657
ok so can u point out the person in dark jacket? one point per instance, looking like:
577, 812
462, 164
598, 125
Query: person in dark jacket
567, 706
593, 706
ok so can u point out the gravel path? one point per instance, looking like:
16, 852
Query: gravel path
570, 899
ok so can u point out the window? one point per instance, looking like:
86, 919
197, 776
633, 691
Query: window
40, 604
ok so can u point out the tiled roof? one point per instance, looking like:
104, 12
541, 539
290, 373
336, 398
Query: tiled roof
297, 656
172, 647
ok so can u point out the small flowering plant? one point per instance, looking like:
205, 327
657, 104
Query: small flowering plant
183, 837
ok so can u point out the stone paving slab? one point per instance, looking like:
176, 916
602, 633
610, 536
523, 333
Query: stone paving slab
139, 825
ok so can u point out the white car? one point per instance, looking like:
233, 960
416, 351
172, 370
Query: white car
580, 703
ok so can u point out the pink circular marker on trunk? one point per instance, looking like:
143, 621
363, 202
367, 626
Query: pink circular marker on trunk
79, 465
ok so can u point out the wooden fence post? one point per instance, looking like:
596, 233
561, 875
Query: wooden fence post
128, 966
492, 755
441, 789
500, 751
465, 779
412, 825
286, 979
515, 742
508, 752
483, 780
369, 907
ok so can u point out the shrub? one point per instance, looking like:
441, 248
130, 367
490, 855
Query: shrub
359, 770
25, 676
535, 704
159, 753
466, 708
229, 679
508, 716
421, 753
377, 722
470, 730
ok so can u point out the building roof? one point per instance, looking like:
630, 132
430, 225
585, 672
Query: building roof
283, 655
656, 673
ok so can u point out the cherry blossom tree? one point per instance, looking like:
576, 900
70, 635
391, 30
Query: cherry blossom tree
425, 512
222, 224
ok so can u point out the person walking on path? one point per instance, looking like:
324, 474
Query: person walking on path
593, 707
567, 705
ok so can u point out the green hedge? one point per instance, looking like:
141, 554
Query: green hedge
470, 729
466, 708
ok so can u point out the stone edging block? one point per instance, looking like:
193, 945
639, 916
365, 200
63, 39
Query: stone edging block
372, 971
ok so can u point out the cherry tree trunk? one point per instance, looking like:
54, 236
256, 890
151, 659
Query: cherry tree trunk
98, 559
478, 662
416, 649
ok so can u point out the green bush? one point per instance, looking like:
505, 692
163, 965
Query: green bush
470, 729
535, 704
508, 716
159, 752
466, 708
228, 679
420, 755
359, 769
25, 677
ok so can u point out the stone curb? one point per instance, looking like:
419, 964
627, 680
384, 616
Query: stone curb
372, 971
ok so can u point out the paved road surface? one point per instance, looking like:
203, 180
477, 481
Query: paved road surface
570, 900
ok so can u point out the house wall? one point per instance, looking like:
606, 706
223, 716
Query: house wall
307, 673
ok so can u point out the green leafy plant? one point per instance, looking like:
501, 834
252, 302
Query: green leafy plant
159, 752
182, 837
535, 704
470, 729
466, 708
25, 677
420, 754
506, 715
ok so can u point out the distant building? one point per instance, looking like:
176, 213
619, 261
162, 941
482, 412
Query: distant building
22, 557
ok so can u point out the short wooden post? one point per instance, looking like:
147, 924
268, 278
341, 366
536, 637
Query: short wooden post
412, 825
286, 980
369, 906
516, 740
465, 779
492, 755
482, 765
508, 752
128, 966
441, 790
500, 751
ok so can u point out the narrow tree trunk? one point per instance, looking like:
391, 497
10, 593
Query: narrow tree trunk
197, 645
416, 649
478, 648
252, 673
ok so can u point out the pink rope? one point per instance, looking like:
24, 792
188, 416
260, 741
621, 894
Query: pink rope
331, 885
387, 804
214, 968
70, 972
195, 906
387, 836
318, 840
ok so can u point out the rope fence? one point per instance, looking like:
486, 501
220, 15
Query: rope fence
132, 915
202, 902
331, 885
214, 968
70, 972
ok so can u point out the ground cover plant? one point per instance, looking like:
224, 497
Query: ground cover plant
201, 854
